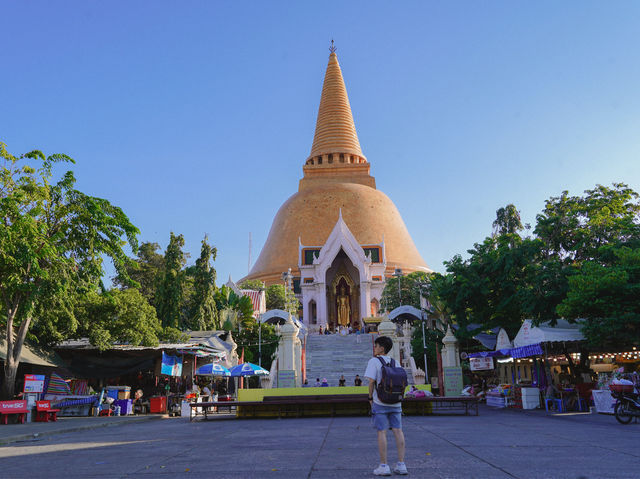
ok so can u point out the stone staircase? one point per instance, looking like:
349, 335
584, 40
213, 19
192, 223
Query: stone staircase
329, 356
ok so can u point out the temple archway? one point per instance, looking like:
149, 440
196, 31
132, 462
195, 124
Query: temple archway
343, 292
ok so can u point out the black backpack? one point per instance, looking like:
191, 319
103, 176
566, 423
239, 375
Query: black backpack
391, 387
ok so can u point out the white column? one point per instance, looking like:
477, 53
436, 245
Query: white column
450, 353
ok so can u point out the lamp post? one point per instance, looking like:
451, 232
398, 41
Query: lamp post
424, 318
398, 274
286, 277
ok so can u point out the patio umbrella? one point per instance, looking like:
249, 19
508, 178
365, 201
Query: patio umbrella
248, 369
212, 369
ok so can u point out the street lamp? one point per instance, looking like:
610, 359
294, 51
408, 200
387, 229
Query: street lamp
424, 319
286, 277
398, 274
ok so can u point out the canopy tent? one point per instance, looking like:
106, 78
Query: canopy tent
528, 342
407, 310
280, 316
545, 333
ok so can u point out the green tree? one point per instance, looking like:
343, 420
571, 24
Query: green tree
236, 312
146, 270
507, 221
253, 284
171, 289
248, 338
409, 290
53, 239
276, 297
574, 228
606, 297
204, 310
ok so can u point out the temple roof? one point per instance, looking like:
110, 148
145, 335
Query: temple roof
335, 129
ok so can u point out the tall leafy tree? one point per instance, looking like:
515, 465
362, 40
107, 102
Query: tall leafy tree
171, 289
204, 310
507, 221
146, 271
606, 296
277, 297
407, 292
53, 238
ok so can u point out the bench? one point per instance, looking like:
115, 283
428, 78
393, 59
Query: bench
207, 406
333, 405
424, 405
44, 412
11, 408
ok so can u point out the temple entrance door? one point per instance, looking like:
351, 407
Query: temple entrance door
343, 293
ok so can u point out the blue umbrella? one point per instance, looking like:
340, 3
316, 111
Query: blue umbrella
212, 369
248, 369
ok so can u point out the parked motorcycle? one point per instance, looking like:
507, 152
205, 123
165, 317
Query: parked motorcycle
627, 402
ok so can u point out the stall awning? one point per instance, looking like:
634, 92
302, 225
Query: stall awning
33, 355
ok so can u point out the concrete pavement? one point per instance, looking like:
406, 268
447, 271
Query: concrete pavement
496, 444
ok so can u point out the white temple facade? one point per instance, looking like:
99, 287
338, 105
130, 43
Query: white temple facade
341, 282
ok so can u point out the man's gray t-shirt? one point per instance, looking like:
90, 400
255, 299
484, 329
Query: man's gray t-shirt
374, 371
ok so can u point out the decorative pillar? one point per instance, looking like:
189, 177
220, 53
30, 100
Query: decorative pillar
451, 370
387, 328
450, 353
287, 361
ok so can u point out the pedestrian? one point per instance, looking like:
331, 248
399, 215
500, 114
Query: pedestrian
342, 382
306, 384
357, 381
324, 384
384, 416
317, 384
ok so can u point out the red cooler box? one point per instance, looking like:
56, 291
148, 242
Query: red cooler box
158, 404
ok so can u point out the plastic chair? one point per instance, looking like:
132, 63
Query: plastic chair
556, 403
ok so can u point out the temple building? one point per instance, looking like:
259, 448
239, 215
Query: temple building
340, 236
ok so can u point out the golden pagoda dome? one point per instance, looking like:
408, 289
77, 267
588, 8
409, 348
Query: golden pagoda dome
336, 177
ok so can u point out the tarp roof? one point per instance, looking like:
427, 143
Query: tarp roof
544, 333
34, 355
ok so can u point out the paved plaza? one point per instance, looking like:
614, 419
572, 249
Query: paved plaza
496, 444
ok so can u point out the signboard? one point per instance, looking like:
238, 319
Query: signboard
452, 381
33, 383
287, 379
480, 364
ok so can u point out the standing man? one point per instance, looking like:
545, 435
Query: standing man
384, 416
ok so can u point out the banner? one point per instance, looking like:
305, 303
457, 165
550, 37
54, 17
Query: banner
171, 365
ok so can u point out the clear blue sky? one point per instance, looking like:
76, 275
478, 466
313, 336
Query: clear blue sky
196, 117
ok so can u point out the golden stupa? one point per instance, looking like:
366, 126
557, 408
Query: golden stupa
336, 177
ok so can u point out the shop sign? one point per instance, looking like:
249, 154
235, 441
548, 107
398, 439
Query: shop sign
287, 379
480, 364
452, 381
33, 383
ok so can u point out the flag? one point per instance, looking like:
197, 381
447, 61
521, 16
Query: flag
171, 365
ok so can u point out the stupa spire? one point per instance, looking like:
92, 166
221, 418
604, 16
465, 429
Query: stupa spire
335, 130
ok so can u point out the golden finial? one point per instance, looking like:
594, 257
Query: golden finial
332, 48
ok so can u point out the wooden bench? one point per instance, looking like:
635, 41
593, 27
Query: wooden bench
44, 412
11, 408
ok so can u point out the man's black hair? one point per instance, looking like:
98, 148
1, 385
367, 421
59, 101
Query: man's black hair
385, 342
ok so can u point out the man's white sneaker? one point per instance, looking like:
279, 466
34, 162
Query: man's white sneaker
401, 469
382, 470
